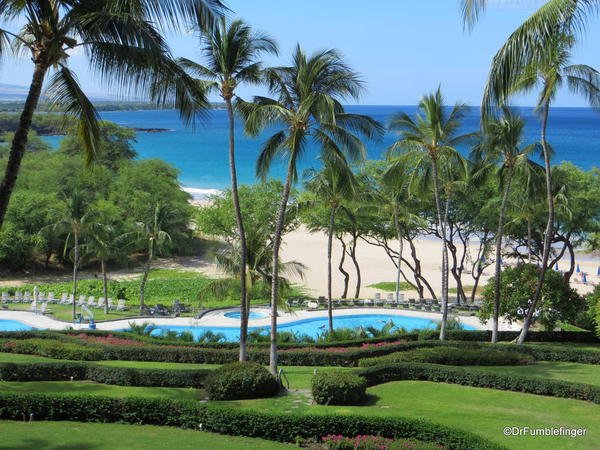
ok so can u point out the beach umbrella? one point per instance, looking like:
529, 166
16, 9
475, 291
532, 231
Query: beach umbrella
584, 278
577, 270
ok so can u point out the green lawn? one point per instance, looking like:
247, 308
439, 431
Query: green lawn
481, 411
97, 436
567, 345
390, 286
566, 371
17, 358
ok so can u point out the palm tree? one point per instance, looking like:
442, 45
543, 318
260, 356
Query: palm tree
105, 242
549, 68
429, 140
232, 50
77, 218
502, 143
306, 107
331, 186
155, 237
123, 46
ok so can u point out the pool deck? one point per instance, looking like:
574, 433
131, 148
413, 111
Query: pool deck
217, 318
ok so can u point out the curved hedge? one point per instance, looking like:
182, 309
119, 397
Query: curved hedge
240, 380
189, 414
472, 377
120, 376
338, 388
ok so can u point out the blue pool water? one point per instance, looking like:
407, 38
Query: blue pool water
13, 325
252, 315
316, 326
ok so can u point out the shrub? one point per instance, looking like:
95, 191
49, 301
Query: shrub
559, 302
454, 356
189, 414
52, 349
369, 442
240, 380
338, 388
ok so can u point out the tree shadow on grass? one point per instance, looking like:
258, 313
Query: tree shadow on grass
370, 400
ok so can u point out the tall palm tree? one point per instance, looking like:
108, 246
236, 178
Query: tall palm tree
154, 236
307, 107
430, 140
331, 186
503, 143
123, 46
232, 51
548, 68
105, 242
77, 218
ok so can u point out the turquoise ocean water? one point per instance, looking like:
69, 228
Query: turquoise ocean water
201, 154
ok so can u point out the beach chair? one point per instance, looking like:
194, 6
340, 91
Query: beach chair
322, 300
313, 305
100, 303
5, 297
50, 298
18, 297
64, 299
33, 306
70, 299
82, 300
359, 302
91, 303
377, 296
368, 302
44, 309
111, 304
121, 305
27, 297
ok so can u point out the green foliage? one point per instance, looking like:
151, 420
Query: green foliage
452, 356
338, 388
337, 442
390, 286
240, 380
52, 349
559, 302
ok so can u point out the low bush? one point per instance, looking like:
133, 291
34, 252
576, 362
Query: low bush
476, 378
338, 388
51, 348
240, 380
366, 442
454, 356
231, 421
121, 376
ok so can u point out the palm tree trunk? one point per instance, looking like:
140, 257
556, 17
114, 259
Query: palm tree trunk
400, 249
275, 269
497, 274
529, 239
356, 267
442, 225
549, 227
241, 233
19, 142
145, 277
75, 267
329, 248
104, 284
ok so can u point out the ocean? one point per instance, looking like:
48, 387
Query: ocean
201, 155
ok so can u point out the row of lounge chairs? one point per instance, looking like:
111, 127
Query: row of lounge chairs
64, 299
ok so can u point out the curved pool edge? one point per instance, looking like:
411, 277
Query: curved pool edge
217, 319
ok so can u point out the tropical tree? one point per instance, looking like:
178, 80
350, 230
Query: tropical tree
75, 221
330, 187
232, 51
429, 140
105, 241
123, 46
154, 236
502, 143
307, 107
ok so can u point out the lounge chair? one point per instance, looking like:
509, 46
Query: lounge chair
358, 302
111, 303
81, 301
18, 297
368, 302
51, 298
27, 297
44, 309
377, 296
313, 305
33, 306
5, 297
71, 299
63, 299
121, 305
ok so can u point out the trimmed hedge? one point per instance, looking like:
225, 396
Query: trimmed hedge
189, 414
51, 348
240, 380
338, 388
452, 356
472, 377
121, 376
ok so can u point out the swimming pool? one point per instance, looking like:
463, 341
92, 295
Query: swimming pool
315, 326
238, 315
13, 325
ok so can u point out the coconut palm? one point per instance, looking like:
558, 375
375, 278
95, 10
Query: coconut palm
154, 236
76, 220
503, 143
306, 108
232, 51
548, 69
331, 187
123, 46
105, 241
429, 140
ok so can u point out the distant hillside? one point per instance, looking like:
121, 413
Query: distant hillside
10, 92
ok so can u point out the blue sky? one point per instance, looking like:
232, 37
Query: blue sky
402, 48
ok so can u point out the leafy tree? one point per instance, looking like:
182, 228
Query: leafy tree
34, 143
430, 139
123, 46
232, 51
306, 106
559, 302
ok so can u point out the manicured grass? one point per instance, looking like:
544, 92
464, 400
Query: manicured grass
97, 436
467, 290
17, 358
567, 345
390, 286
565, 371
78, 387
481, 411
